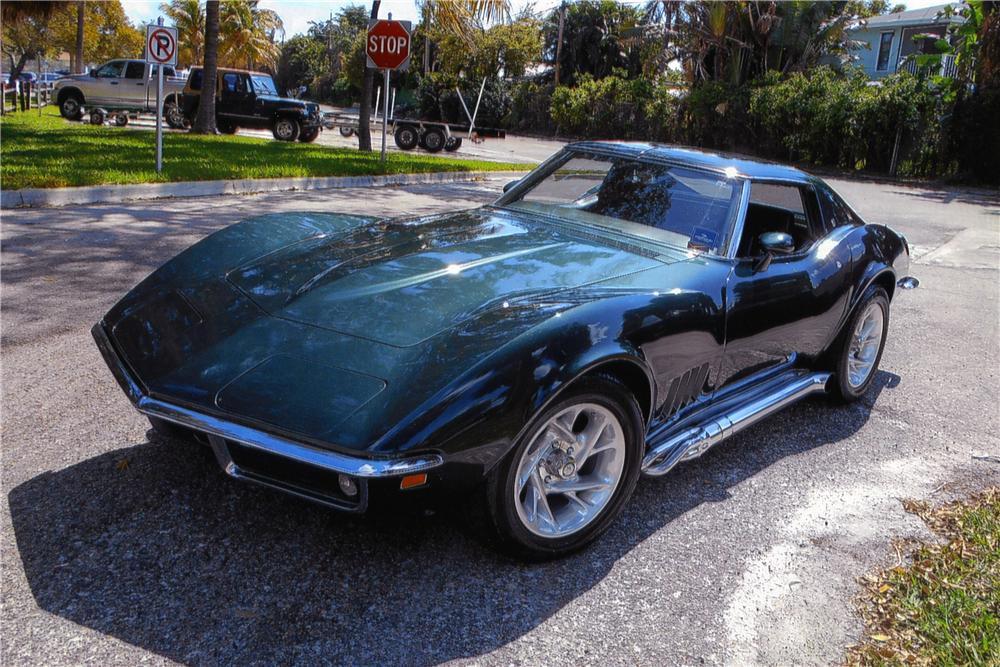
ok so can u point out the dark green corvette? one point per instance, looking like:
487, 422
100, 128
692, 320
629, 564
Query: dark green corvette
606, 316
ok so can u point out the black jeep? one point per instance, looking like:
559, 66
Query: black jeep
250, 99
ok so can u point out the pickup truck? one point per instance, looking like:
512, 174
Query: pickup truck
250, 99
128, 85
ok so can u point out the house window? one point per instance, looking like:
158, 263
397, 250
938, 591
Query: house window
884, 46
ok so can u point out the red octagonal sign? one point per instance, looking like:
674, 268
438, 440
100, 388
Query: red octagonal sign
388, 45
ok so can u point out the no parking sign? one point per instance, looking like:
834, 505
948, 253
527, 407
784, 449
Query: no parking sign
161, 45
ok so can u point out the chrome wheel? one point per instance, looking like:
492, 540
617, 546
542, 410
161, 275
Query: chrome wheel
285, 130
865, 344
570, 470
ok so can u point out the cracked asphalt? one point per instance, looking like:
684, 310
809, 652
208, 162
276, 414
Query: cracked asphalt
119, 548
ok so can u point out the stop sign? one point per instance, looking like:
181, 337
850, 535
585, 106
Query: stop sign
388, 44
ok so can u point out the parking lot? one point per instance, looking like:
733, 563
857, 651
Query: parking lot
120, 548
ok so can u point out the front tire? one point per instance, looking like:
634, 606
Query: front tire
309, 136
860, 346
570, 474
286, 129
406, 137
174, 116
71, 107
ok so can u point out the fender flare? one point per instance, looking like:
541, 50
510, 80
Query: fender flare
67, 91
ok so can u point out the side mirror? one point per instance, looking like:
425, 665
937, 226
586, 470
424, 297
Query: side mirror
508, 186
773, 243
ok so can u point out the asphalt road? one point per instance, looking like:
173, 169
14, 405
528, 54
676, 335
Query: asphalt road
119, 548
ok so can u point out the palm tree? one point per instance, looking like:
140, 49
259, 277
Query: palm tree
458, 18
249, 35
188, 17
365, 108
204, 123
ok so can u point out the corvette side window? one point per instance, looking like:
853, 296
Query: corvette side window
835, 211
780, 207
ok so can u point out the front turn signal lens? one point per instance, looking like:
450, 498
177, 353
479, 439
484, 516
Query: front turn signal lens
413, 481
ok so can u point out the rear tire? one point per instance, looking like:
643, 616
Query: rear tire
604, 416
121, 120
434, 140
406, 137
859, 348
173, 115
453, 144
71, 106
225, 127
286, 129
346, 131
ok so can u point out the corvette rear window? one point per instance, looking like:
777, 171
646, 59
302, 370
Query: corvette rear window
662, 202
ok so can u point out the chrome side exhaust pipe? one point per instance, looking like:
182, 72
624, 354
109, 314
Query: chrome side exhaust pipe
693, 442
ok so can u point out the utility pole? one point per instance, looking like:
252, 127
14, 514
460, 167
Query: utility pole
562, 20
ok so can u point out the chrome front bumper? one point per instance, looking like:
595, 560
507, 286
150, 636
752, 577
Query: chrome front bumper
226, 435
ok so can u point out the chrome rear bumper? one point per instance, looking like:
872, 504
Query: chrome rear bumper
224, 434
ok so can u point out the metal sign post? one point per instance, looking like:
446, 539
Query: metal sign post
387, 48
161, 50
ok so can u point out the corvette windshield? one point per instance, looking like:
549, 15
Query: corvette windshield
676, 205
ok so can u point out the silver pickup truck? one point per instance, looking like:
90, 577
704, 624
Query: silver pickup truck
120, 85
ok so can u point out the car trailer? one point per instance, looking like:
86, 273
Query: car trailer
409, 133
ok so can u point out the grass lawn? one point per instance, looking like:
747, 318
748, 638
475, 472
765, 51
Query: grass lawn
48, 152
944, 608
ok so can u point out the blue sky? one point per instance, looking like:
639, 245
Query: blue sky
297, 14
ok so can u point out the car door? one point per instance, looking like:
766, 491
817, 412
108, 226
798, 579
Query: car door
234, 96
106, 86
792, 304
134, 83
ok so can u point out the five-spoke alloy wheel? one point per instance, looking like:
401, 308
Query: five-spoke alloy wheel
861, 345
573, 469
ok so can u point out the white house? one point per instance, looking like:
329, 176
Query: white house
889, 39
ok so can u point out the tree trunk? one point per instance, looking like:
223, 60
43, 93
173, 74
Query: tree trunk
365, 112
78, 57
204, 123
15, 70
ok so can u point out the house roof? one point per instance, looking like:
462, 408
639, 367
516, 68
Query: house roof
925, 16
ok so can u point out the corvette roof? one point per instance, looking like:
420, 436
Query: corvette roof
745, 166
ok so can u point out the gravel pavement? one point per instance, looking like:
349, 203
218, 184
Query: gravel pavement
119, 548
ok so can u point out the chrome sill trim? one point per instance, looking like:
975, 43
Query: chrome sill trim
765, 401
251, 437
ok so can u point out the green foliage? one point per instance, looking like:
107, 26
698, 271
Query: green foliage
437, 99
505, 49
833, 119
46, 151
599, 36
531, 102
301, 61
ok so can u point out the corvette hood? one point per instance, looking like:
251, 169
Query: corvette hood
401, 283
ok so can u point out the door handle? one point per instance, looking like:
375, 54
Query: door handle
114, 83
140, 84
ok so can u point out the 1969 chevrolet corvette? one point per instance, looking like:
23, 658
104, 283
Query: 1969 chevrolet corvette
620, 309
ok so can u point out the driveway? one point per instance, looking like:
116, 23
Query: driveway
120, 548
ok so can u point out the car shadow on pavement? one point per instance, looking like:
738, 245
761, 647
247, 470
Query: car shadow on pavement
153, 545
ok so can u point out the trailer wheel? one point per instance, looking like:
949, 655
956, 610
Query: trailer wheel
346, 131
434, 140
97, 117
453, 144
121, 119
406, 137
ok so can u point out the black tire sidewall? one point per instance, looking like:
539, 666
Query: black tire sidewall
79, 108
406, 131
518, 540
434, 148
843, 389
296, 129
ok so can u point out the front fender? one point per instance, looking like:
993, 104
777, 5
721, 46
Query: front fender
479, 417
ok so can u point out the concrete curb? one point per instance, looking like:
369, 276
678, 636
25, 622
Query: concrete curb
110, 194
